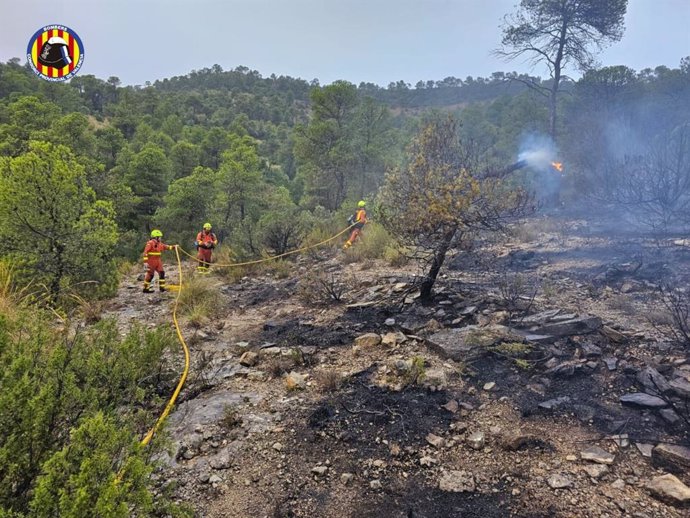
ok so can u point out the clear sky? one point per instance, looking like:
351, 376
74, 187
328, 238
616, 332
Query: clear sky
377, 41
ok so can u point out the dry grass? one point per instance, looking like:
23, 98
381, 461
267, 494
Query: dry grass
90, 311
328, 380
199, 300
278, 366
12, 296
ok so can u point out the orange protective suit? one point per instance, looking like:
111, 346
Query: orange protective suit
152, 258
206, 241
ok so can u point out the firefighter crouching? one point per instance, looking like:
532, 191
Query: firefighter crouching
358, 219
154, 263
205, 242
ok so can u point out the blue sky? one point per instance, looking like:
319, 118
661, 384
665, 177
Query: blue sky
377, 41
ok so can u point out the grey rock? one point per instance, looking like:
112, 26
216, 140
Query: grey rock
652, 380
680, 387
515, 440
553, 404
222, 460
476, 441
452, 406
558, 481
393, 339
611, 363
319, 470
540, 318
576, 326
642, 400
613, 335
489, 386
376, 485
214, 479
368, 340
277, 446
565, 369
645, 449
596, 471
346, 478
672, 454
669, 489
591, 350
434, 378
456, 344
598, 455
249, 359
537, 338
389, 322
457, 482
413, 325
670, 416
435, 440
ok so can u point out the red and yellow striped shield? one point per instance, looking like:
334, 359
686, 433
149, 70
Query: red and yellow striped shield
55, 53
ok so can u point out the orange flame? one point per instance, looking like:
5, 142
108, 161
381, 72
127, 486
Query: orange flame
558, 166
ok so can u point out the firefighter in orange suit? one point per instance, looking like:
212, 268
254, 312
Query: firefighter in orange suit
205, 242
152, 259
359, 219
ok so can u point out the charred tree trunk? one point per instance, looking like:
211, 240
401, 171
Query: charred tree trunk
436, 264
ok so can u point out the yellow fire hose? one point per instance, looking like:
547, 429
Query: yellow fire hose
178, 331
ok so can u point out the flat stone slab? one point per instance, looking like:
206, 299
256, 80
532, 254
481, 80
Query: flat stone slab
680, 387
676, 455
559, 481
553, 404
540, 318
575, 326
652, 380
456, 344
670, 489
642, 400
598, 455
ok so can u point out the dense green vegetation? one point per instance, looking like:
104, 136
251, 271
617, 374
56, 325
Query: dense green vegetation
73, 404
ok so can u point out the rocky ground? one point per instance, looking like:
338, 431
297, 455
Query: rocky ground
533, 385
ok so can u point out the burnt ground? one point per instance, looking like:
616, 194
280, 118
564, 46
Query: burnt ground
354, 440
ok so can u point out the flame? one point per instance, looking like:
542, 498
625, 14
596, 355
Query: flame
558, 166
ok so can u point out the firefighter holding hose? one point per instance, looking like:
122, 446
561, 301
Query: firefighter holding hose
152, 259
205, 242
358, 219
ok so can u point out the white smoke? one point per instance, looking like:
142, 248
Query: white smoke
538, 151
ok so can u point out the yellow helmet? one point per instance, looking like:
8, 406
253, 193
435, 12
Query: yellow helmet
207, 226
362, 204
156, 233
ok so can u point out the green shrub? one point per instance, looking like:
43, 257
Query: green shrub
72, 407
372, 243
